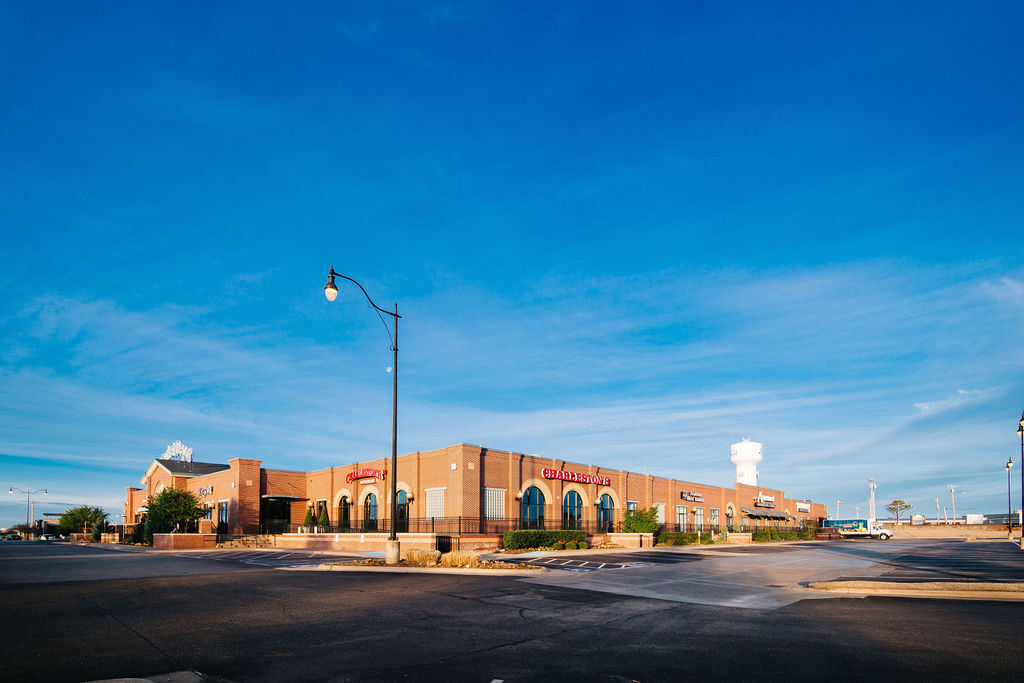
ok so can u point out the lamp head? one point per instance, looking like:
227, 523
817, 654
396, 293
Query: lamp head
330, 290
10, 490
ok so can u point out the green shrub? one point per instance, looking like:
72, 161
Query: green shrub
641, 521
705, 537
760, 535
677, 538
583, 545
539, 538
571, 545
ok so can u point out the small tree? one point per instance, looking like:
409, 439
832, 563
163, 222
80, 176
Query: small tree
641, 521
171, 510
323, 520
82, 519
897, 506
308, 520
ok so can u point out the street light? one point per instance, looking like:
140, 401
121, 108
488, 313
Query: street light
1020, 432
28, 502
331, 292
1009, 507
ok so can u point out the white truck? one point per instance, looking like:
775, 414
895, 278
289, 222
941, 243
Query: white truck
859, 528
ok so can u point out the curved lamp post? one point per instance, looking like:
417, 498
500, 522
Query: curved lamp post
28, 501
1020, 432
1009, 506
331, 292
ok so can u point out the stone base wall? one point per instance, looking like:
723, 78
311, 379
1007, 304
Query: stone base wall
632, 540
480, 543
368, 542
740, 537
184, 541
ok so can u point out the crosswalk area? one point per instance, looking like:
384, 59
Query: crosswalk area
604, 561
274, 559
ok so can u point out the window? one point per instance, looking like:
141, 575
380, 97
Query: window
344, 512
370, 512
494, 503
661, 512
533, 508
435, 502
572, 511
321, 504
681, 518
713, 521
402, 523
632, 505
698, 520
206, 515
605, 513
222, 516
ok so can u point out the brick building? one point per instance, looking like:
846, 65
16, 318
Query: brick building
460, 489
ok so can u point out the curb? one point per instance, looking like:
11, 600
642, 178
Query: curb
941, 589
419, 570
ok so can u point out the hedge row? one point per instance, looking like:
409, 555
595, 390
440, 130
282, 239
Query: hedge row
680, 538
762, 535
539, 538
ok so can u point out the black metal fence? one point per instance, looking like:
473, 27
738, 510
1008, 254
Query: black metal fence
449, 526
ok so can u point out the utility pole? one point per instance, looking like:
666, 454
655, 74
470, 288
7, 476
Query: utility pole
871, 506
936, 510
944, 517
952, 498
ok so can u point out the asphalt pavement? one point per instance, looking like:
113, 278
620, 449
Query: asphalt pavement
243, 622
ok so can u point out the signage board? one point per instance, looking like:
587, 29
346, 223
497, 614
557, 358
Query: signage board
803, 507
577, 477
206, 490
365, 475
695, 496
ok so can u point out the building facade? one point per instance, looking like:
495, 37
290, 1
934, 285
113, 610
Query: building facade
460, 489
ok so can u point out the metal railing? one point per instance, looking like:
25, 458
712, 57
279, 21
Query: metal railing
449, 526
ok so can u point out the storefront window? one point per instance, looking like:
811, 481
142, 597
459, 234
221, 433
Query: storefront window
402, 523
533, 508
606, 513
698, 520
370, 512
713, 521
344, 512
681, 518
572, 511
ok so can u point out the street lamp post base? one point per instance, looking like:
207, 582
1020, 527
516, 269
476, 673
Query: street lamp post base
393, 553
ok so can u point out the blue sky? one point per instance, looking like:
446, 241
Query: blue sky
626, 236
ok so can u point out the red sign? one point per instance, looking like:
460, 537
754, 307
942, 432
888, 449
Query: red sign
575, 476
365, 473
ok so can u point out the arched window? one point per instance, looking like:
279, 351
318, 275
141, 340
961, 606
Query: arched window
402, 523
533, 508
344, 512
572, 511
605, 513
370, 512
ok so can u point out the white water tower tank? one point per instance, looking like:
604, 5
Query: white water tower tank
745, 455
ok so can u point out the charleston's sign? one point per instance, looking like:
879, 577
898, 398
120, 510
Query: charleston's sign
577, 477
365, 473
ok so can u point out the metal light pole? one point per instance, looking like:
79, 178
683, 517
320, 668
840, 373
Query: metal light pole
1009, 506
331, 292
28, 502
872, 486
1020, 432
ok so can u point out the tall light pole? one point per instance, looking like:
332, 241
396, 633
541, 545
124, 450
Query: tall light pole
1020, 432
952, 500
28, 502
331, 292
1009, 505
871, 487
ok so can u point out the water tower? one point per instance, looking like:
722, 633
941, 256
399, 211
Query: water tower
745, 455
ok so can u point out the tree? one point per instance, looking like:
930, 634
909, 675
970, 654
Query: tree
82, 519
308, 520
171, 510
897, 506
323, 520
641, 521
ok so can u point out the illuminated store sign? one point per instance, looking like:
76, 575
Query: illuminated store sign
365, 473
763, 501
205, 491
695, 496
577, 477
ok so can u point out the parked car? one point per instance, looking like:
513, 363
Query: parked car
13, 537
47, 537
